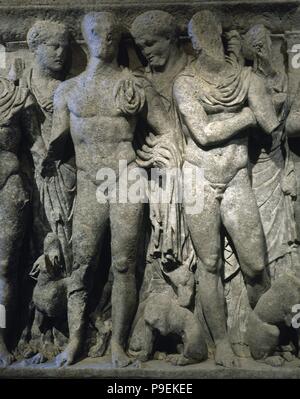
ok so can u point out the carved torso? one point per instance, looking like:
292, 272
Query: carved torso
222, 161
101, 132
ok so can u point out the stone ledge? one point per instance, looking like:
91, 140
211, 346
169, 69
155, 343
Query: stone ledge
99, 368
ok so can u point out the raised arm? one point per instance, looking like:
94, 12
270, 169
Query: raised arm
203, 132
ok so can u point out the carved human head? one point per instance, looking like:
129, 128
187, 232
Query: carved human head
49, 40
156, 33
102, 32
205, 32
257, 43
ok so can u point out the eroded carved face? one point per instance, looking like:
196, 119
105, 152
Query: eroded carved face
208, 42
52, 54
205, 33
103, 41
262, 47
257, 45
156, 49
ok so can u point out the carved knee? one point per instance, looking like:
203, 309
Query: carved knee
211, 264
121, 264
253, 267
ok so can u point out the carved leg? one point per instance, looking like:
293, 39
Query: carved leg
12, 212
241, 218
125, 230
206, 241
89, 225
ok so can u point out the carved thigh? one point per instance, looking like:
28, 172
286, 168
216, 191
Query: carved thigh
205, 228
241, 218
90, 222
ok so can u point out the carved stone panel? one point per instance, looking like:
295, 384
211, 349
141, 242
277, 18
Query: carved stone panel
149, 189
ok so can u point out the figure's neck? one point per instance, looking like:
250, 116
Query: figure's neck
171, 64
212, 61
45, 74
96, 66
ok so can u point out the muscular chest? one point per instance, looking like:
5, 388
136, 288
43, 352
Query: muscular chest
90, 99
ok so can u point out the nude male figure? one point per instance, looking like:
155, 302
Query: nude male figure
99, 109
217, 102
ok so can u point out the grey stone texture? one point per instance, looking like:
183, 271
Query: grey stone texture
113, 287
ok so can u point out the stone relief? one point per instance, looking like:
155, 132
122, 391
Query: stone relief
203, 113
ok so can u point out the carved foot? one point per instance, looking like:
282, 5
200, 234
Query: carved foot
119, 357
141, 356
68, 356
180, 360
225, 356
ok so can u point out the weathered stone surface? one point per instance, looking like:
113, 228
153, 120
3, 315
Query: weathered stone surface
149, 189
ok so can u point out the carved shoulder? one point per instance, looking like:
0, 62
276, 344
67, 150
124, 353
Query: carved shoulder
63, 92
183, 88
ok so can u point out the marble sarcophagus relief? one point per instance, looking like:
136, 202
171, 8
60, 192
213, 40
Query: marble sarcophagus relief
149, 187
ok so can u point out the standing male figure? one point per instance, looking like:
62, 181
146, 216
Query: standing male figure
217, 102
99, 109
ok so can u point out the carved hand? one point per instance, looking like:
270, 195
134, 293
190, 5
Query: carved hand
159, 151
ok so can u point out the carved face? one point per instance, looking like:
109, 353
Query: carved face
205, 33
52, 54
257, 46
262, 47
207, 42
156, 49
103, 41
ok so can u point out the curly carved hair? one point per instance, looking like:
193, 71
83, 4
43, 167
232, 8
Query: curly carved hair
156, 22
42, 31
